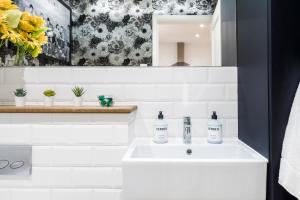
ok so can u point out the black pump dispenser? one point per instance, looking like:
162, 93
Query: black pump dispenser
214, 115
160, 115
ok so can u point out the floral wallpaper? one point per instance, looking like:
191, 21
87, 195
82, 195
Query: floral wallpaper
184, 7
119, 32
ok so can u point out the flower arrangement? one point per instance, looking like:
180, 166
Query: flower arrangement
26, 32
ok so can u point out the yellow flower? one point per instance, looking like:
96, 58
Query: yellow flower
38, 50
37, 21
23, 34
26, 26
7, 5
12, 36
3, 29
2, 18
30, 23
43, 39
3, 24
25, 31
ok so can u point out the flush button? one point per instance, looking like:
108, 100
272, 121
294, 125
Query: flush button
4, 164
17, 165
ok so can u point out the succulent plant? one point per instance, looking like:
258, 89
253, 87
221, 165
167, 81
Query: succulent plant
20, 92
49, 93
106, 101
78, 91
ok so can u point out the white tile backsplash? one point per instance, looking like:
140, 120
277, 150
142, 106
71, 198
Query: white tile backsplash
15, 134
31, 194
207, 92
1, 76
42, 156
13, 75
231, 92
141, 93
78, 157
65, 194
225, 75
194, 91
71, 156
225, 110
70, 161
73, 134
108, 155
60, 194
169, 93
74, 156
6, 91
95, 177
107, 194
5, 194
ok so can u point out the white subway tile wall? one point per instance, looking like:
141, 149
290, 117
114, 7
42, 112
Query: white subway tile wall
78, 157
78, 161
194, 91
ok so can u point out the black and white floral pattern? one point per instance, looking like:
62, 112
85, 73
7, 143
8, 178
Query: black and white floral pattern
119, 32
112, 32
184, 7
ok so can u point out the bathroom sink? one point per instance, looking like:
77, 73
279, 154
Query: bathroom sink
208, 152
229, 171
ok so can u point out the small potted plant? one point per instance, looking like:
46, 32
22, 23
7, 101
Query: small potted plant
106, 100
20, 95
78, 92
49, 97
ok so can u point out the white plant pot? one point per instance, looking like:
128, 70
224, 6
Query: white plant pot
20, 101
49, 101
77, 101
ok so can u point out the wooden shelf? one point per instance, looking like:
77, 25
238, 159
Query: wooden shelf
67, 109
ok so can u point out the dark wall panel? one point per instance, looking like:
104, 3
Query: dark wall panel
285, 75
228, 20
269, 73
252, 34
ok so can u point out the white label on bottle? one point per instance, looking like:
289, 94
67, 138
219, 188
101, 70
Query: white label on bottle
161, 134
215, 134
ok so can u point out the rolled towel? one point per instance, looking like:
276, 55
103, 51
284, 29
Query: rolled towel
289, 174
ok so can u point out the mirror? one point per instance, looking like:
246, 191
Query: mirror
134, 33
182, 40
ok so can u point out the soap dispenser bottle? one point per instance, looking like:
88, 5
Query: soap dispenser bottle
160, 129
214, 130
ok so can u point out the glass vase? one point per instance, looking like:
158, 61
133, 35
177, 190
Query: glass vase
20, 55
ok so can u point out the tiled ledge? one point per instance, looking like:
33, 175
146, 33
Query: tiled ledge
68, 109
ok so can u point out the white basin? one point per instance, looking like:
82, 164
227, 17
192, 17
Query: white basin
230, 171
